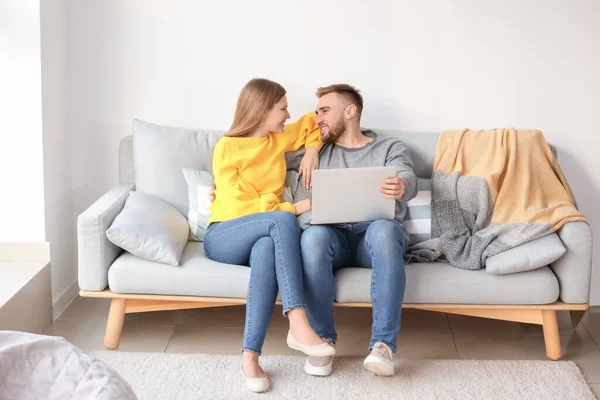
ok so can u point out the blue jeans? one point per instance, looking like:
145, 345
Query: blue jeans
379, 245
270, 243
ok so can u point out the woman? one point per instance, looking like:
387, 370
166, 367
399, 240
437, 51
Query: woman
251, 225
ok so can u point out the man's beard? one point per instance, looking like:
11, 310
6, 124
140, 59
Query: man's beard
335, 132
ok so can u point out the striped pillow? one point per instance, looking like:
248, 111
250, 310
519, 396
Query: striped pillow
199, 184
418, 214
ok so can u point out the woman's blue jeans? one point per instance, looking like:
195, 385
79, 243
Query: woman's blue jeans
270, 243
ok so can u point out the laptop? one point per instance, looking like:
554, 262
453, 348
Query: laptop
349, 195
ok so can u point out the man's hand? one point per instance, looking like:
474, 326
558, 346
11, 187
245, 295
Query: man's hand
393, 188
211, 193
309, 163
303, 206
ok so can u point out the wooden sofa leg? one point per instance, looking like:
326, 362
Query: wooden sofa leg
551, 334
114, 326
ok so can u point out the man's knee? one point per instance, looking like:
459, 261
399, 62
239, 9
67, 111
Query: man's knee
383, 233
316, 237
314, 244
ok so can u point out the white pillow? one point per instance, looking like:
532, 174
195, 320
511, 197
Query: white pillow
527, 256
150, 229
199, 183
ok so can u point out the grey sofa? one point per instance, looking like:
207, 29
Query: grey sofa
136, 285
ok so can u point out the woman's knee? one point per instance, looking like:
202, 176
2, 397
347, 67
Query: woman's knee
265, 246
286, 220
283, 216
263, 252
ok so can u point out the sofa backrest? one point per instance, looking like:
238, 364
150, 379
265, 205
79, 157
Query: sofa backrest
420, 144
160, 153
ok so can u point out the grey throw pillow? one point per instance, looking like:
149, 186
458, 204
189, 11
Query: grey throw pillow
528, 256
150, 229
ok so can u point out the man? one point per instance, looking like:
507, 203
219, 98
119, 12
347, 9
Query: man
379, 245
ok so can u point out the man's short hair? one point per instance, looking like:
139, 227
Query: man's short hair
349, 92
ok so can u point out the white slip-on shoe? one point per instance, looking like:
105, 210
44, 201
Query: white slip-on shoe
257, 385
381, 360
323, 349
319, 365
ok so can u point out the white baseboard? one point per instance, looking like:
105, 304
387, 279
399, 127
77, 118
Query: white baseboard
65, 299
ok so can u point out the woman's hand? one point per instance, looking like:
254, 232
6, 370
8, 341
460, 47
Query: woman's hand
303, 206
211, 193
309, 163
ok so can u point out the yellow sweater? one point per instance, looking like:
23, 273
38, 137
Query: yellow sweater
250, 172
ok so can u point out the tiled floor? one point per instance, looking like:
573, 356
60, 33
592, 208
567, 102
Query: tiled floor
424, 334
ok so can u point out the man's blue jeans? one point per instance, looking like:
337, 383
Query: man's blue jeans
379, 245
270, 243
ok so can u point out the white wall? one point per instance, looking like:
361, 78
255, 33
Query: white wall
21, 156
424, 66
60, 223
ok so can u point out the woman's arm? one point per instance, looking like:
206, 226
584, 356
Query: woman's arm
309, 163
228, 183
304, 132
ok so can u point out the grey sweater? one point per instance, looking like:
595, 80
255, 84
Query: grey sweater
382, 151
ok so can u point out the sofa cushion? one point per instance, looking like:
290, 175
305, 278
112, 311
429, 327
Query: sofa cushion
161, 152
197, 275
421, 145
426, 283
440, 283
199, 184
150, 228
531, 255
418, 214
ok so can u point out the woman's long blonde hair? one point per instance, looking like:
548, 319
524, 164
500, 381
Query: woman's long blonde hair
256, 99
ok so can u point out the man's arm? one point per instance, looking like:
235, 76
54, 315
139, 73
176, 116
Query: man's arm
404, 188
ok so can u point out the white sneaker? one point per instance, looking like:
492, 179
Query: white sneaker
381, 360
319, 365
257, 385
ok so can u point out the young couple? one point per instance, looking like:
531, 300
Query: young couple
250, 225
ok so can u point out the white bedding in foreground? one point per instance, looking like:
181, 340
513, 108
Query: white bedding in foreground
47, 367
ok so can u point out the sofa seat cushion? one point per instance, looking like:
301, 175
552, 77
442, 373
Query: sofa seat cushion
196, 275
426, 283
440, 283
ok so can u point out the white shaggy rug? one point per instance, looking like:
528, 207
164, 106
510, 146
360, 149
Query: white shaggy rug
202, 376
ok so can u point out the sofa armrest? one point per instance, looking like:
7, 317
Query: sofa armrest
95, 252
574, 269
